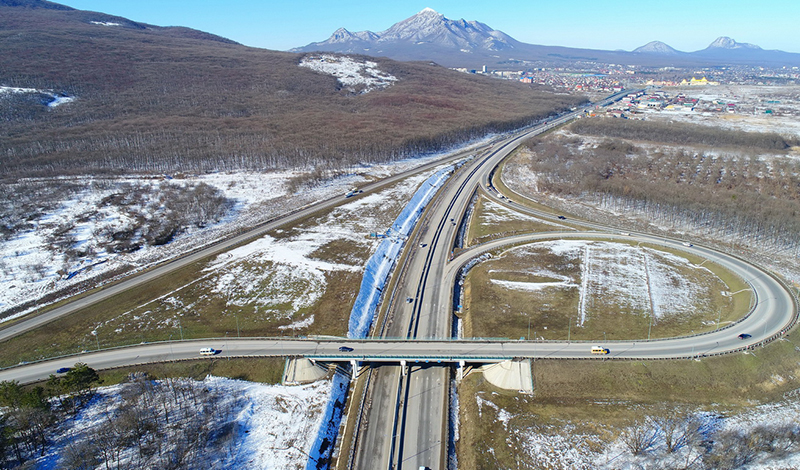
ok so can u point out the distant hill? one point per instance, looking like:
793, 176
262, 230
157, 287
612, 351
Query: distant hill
656, 47
88, 92
429, 35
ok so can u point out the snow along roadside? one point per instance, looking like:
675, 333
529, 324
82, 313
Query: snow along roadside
376, 274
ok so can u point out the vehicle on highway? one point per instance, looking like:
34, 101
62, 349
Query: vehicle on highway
744, 336
208, 351
561, 217
409, 299
345, 349
63, 370
687, 244
423, 245
599, 350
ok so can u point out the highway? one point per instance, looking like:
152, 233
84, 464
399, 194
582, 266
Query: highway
15, 328
406, 422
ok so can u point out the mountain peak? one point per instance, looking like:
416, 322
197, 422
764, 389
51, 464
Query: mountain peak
655, 47
429, 11
724, 42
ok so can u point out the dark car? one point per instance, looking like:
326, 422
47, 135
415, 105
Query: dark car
63, 370
345, 349
561, 217
744, 336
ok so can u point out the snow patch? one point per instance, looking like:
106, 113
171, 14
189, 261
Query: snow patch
274, 424
305, 323
351, 73
56, 99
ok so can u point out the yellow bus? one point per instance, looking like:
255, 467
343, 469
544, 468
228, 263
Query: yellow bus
599, 350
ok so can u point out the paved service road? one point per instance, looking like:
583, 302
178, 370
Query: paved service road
19, 327
407, 422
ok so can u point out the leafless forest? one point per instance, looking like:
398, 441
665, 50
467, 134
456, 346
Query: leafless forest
683, 438
147, 101
728, 185
164, 424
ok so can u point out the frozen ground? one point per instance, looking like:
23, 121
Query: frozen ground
279, 276
30, 267
639, 279
49, 97
356, 75
495, 214
564, 446
273, 425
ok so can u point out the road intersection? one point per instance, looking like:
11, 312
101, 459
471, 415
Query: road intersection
406, 424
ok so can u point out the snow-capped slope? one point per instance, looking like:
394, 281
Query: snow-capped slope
656, 47
427, 27
342, 35
724, 42
431, 36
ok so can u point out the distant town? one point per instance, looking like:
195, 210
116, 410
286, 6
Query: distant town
590, 77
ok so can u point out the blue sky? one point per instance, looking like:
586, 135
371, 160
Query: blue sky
597, 24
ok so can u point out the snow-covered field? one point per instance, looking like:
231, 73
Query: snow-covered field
568, 446
351, 73
272, 426
31, 267
494, 214
277, 276
638, 279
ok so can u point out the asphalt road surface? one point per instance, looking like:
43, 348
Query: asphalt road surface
407, 421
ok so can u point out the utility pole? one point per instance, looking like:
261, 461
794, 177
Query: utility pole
569, 330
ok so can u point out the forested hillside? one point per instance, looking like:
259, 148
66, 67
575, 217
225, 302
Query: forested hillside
149, 99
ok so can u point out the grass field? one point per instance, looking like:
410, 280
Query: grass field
598, 291
585, 405
491, 220
268, 370
297, 280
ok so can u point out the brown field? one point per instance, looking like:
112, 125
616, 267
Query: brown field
492, 310
599, 399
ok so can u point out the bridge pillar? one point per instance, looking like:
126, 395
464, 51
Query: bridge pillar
403, 367
461, 365
354, 366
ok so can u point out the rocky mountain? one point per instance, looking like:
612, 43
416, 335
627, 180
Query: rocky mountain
428, 31
724, 42
431, 36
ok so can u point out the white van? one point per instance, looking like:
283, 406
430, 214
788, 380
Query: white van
207, 351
